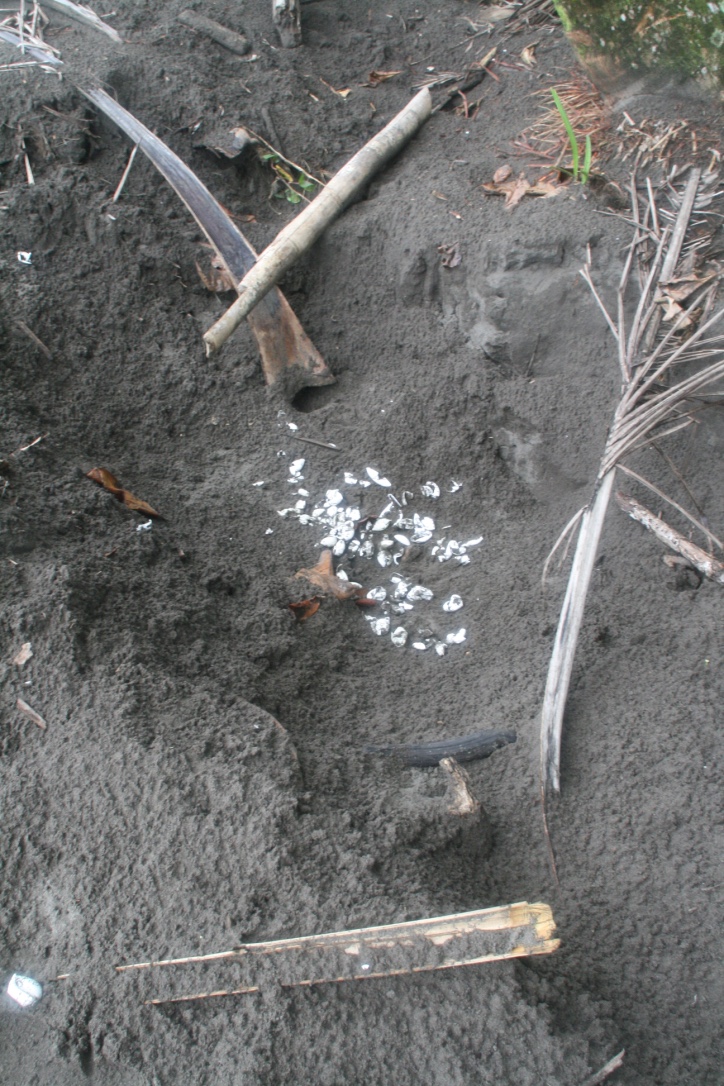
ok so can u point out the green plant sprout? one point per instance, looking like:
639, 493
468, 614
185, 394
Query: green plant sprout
293, 190
579, 172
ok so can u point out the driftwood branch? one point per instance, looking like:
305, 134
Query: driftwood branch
235, 43
607, 1069
304, 230
444, 942
287, 16
705, 563
288, 355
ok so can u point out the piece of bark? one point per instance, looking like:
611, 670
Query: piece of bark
458, 782
301, 233
289, 358
287, 16
235, 43
443, 942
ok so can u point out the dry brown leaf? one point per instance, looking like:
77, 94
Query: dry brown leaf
502, 174
304, 609
515, 189
111, 484
344, 93
375, 78
218, 280
528, 55
323, 576
451, 255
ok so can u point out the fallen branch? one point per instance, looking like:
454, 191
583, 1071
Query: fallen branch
642, 415
444, 942
303, 231
464, 802
705, 563
235, 43
288, 355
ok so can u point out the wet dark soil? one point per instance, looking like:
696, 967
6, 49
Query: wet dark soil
203, 780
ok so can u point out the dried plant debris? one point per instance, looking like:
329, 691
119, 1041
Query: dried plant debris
375, 78
304, 609
547, 140
515, 188
466, 748
111, 484
385, 535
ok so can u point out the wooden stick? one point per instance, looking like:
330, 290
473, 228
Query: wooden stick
235, 43
303, 231
607, 1069
706, 563
124, 175
288, 355
287, 16
443, 942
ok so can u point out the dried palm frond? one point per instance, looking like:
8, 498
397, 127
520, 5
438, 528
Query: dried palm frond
653, 403
547, 136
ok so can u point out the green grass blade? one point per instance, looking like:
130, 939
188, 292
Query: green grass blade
588, 155
569, 132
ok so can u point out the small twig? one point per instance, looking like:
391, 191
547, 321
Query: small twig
32, 336
706, 563
235, 43
124, 175
606, 1070
31, 714
320, 444
679, 508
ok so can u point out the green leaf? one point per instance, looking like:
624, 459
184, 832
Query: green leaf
305, 183
569, 132
293, 197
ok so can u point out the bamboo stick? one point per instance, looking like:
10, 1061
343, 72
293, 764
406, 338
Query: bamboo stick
304, 230
443, 942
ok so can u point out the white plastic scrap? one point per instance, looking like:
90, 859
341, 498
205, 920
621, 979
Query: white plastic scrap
453, 604
24, 990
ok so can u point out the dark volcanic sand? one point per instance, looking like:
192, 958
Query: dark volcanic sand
163, 813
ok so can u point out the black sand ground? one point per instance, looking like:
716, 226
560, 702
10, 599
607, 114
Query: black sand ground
163, 812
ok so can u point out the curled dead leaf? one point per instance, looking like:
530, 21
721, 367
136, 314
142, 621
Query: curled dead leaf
322, 576
502, 174
528, 55
304, 609
515, 189
111, 484
376, 77
219, 279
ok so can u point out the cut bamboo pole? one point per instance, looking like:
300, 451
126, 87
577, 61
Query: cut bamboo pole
288, 355
235, 43
303, 231
443, 942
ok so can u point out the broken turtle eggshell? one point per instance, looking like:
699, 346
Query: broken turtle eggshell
453, 604
456, 637
430, 490
380, 625
378, 594
377, 478
25, 991
398, 636
418, 592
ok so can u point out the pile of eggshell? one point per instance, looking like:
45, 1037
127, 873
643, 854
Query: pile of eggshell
384, 540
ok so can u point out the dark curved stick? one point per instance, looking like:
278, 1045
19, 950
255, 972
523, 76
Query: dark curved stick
467, 748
